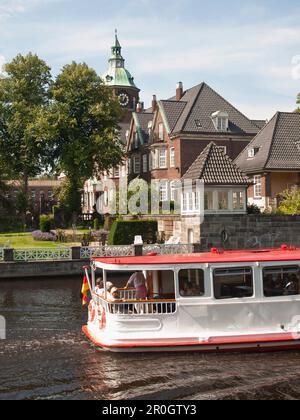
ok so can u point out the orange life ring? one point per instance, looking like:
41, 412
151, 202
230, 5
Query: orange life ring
102, 318
92, 312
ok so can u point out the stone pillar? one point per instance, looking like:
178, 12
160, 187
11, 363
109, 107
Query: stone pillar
138, 250
8, 254
76, 252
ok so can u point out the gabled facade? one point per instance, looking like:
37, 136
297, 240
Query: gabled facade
180, 130
272, 160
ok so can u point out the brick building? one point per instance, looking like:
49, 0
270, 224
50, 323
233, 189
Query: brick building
164, 140
272, 160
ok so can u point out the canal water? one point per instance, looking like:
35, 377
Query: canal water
45, 356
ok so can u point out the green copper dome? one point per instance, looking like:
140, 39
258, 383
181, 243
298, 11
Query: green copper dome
117, 75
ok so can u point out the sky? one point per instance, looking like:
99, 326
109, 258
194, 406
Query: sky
248, 51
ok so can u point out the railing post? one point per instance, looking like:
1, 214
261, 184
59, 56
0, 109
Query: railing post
76, 252
8, 254
138, 250
197, 248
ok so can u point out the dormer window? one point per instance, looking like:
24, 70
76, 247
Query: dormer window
220, 120
252, 151
149, 128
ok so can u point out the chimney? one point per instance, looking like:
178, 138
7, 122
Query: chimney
179, 91
140, 107
154, 104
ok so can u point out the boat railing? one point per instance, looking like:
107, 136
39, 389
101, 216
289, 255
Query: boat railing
137, 307
127, 294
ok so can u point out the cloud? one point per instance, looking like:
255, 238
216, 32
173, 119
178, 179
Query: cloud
2, 61
9, 8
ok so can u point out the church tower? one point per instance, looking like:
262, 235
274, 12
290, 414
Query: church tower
120, 80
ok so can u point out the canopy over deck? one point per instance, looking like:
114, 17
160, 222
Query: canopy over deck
216, 256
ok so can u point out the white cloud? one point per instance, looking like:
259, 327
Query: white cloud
2, 61
9, 8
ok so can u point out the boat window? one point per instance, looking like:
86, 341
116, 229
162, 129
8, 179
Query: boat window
191, 283
233, 283
281, 281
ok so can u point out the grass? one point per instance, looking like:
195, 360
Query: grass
25, 240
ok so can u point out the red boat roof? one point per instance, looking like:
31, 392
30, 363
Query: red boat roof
284, 253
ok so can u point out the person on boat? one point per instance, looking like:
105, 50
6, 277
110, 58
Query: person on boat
99, 289
138, 282
113, 295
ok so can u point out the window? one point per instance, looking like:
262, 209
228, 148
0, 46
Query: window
33, 195
117, 172
172, 158
145, 163
191, 283
162, 158
233, 283
208, 200
257, 186
173, 187
50, 194
129, 166
238, 200
163, 191
154, 159
198, 123
136, 140
252, 152
223, 200
222, 123
136, 164
161, 132
223, 148
281, 281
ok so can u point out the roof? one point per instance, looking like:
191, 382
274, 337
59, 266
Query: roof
50, 183
214, 167
277, 144
124, 127
259, 123
142, 120
192, 114
251, 256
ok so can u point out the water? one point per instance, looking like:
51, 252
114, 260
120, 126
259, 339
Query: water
45, 356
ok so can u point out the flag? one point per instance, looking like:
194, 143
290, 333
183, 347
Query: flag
84, 290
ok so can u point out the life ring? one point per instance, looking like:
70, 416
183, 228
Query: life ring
102, 318
92, 312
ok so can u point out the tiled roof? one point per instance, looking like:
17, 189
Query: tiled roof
214, 167
277, 145
259, 123
192, 114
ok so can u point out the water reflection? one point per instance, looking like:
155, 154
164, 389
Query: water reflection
46, 356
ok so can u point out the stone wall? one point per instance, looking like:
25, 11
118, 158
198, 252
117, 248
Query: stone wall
249, 231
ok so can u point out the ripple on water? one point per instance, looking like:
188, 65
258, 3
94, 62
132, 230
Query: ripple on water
47, 357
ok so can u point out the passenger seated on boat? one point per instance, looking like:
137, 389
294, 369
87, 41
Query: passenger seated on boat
99, 289
113, 295
138, 281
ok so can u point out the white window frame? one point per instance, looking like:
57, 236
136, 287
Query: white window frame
163, 191
162, 158
161, 131
145, 164
172, 158
257, 186
136, 164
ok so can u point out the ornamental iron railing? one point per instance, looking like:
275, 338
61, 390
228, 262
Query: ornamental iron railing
43, 254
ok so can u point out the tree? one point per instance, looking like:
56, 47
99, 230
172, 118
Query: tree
298, 102
290, 204
23, 95
82, 124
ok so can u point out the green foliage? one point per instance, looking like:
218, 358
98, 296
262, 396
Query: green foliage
123, 232
46, 223
82, 124
96, 224
253, 209
23, 97
69, 198
290, 204
10, 224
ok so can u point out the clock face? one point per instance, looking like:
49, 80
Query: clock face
123, 99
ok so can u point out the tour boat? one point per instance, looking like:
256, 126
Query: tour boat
210, 302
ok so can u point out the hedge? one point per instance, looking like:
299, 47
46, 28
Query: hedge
123, 232
46, 223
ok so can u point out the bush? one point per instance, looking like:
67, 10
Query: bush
10, 224
44, 236
46, 223
253, 209
123, 232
